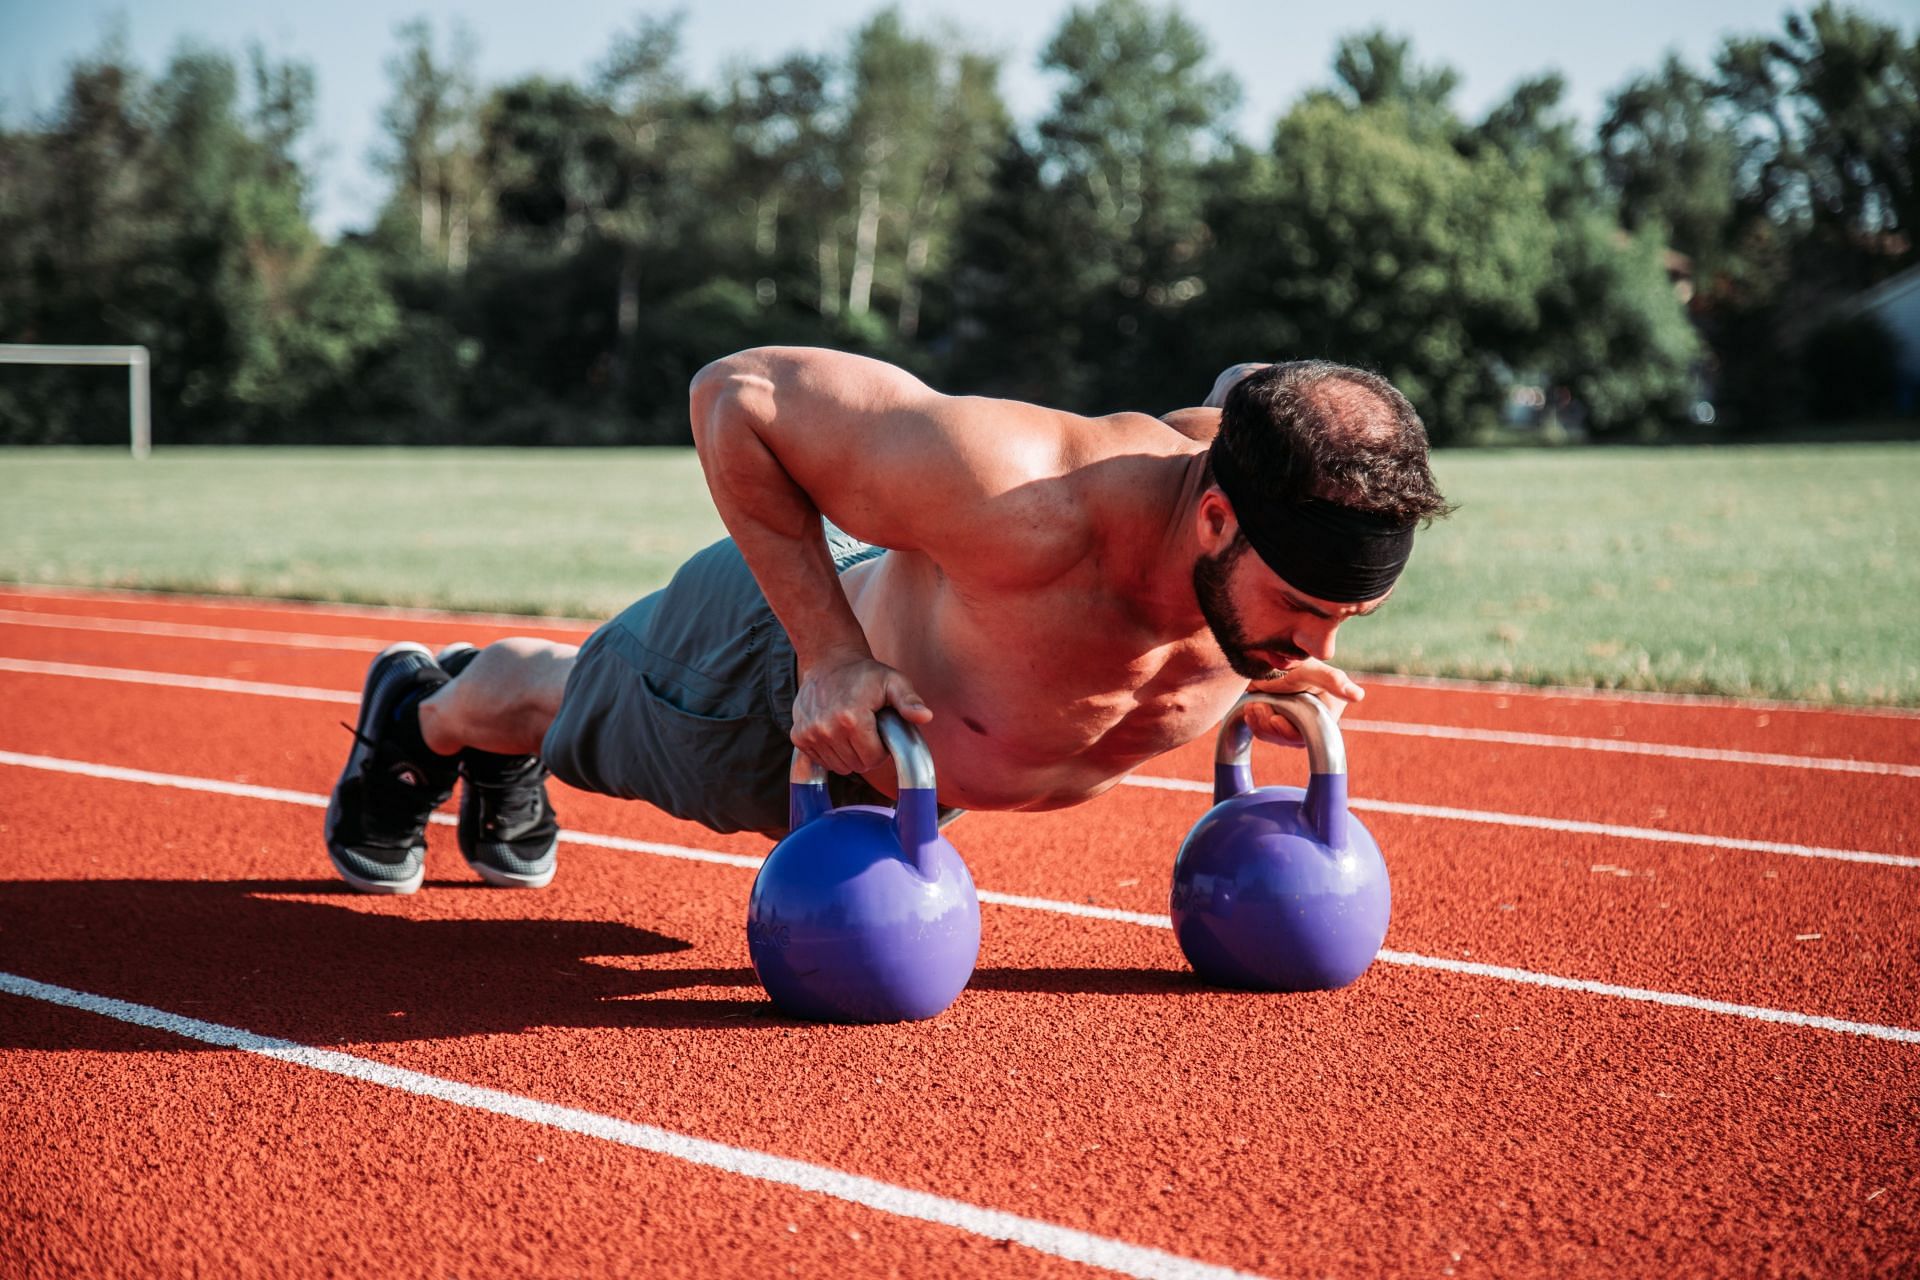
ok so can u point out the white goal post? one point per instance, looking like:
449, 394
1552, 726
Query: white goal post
139, 393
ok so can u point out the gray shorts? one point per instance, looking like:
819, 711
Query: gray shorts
685, 700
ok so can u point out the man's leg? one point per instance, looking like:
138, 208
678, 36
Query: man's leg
472, 715
493, 716
502, 701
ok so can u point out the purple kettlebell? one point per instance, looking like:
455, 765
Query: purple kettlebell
1276, 888
863, 913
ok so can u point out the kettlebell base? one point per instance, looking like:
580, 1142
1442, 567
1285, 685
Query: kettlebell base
1274, 986
803, 1011
843, 927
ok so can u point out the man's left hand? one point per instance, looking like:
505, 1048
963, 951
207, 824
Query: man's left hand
1330, 684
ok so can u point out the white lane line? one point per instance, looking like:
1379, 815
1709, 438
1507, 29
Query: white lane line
1086, 910
188, 631
1625, 747
1571, 826
168, 679
746, 1162
1049, 905
297, 608
179, 782
1407, 729
1442, 812
1786, 1017
1654, 697
55, 764
202, 600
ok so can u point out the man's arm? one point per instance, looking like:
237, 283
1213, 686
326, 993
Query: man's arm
788, 434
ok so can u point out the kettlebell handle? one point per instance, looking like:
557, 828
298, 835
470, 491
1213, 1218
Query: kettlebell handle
1326, 802
917, 815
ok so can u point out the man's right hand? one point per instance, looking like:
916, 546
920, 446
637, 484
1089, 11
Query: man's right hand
834, 713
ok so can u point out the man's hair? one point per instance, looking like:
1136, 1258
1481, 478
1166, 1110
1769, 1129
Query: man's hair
1315, 429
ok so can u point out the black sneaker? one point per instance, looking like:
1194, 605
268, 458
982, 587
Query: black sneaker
507, 826
377, 819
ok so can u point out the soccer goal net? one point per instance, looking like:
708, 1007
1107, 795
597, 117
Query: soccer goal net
139, 394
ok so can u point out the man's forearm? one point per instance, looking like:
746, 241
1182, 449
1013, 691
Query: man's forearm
774, 522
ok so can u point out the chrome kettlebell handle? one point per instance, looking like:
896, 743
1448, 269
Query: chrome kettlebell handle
918, 810
1326, 752
1326, 799
912, 762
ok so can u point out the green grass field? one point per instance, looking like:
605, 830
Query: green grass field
1786, 570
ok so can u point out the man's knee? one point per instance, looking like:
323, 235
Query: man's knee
516, 676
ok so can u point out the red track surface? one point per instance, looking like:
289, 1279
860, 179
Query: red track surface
1422, 1122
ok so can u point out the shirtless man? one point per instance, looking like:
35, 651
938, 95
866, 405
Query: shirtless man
1060, 600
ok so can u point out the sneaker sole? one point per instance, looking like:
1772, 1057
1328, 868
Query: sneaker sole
508, 880
360, 752
410, 885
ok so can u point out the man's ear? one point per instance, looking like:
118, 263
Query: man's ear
1217, 523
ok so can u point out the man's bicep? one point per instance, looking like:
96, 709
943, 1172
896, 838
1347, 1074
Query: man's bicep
815, 420
971, 482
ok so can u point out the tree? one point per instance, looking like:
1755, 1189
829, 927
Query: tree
922, 119
779, 123
1855, 95
1363, 238
432, 143
889, 137
1671, 158
1536, 135
73, 217
1612, 330
1122, 159
1021, 272
171, 213
971, 123
650, 122
1375, 69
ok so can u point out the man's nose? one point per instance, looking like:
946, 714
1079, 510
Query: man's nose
1317, 640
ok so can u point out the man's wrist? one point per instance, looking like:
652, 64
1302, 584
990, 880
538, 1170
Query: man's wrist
828, 657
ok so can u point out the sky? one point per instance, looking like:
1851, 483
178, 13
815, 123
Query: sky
1276, 49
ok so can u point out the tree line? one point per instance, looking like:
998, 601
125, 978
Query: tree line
555, 257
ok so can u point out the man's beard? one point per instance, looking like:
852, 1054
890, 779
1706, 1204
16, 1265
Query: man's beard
1210, 574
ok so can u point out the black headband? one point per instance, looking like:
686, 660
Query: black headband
1329, 551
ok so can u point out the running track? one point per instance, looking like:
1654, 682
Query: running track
1648, 1006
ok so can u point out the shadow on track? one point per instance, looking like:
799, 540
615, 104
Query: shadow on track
1092, 982
314, 962
320, 971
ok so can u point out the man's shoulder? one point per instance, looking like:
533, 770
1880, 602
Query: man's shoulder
1195, 424
1044, 494
1031, 494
